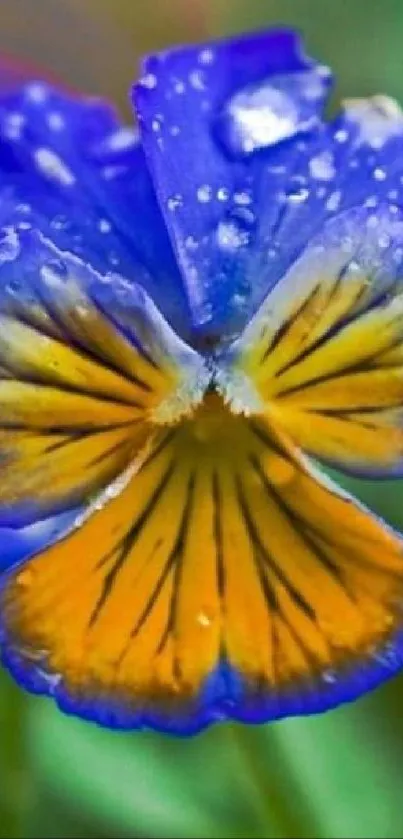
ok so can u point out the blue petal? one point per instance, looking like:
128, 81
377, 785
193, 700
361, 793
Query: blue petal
225, 697
247, 173
204, 113
69, 169
19, 544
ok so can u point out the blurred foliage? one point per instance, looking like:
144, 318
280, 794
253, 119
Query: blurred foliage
338, 775
360, 39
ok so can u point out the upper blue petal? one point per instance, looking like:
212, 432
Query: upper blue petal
212, 121
71, 171
247, 172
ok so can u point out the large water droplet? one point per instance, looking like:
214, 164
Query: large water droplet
265, 114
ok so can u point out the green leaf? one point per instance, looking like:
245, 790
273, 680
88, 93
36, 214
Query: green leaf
15, 786
144, 783
346, 768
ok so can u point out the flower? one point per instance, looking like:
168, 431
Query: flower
188, 318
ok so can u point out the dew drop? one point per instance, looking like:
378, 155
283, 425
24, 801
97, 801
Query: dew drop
113, 259
333, 202
196, 80
242, 198
204, 194
9, 245
60, 222
174, 201
149, 80
298, 196
371, 202
321, 167
51, 165
191, 244
206, 56
37, 92
179, 87
376, 120
398, 256
14, 286
231, 237
56, 121
203, 620
104, 225
329, 676
54, 271
13, 125
384, 241
223, 194
372, 222
265, 114
122, 139
341, 136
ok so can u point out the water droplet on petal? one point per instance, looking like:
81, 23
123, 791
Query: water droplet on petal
341, 135
54, 271
203, 620
206, 56
9, 245
372, 201
223, 194
56, 121
104, 225
372, 222
231, 236
191, 244
398, 256
242, 198
14, 286
267, 113
179, 87
174, 201
196, 79
321, 167
204, 194
60, 222
333, 201
13, 125
384, 241
37, 92
298, 196
329, 676
376, 120
149, 81
53, 167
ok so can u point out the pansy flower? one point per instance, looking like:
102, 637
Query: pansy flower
192, 320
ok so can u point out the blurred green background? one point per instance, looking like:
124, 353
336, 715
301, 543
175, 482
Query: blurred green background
338, 775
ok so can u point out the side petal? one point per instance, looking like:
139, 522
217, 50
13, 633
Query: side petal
87, 364
58, 152
324, 353
214, 613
